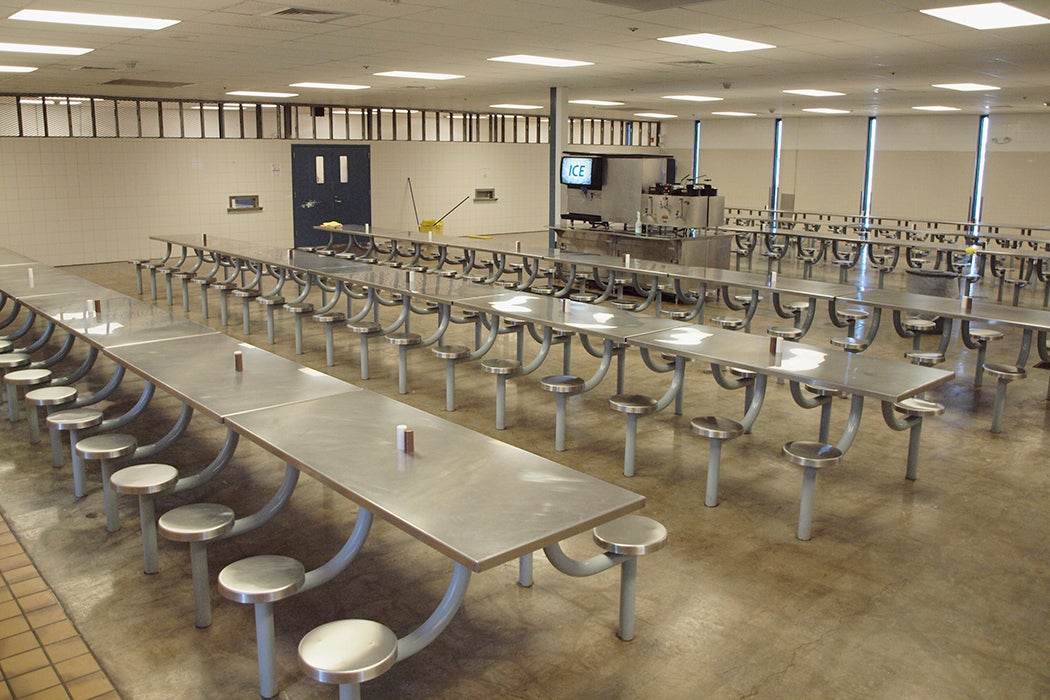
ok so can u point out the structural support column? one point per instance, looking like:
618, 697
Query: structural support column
558, 141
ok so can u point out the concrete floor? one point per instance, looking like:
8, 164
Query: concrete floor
932, 588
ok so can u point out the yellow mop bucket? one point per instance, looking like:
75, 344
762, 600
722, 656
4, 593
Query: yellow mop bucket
431, 226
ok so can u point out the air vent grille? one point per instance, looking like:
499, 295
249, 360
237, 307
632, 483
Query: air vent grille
305, 14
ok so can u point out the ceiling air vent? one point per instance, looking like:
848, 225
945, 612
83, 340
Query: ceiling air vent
304, 14
135, 82
647, 5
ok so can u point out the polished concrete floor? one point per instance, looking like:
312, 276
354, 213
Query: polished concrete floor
935, 588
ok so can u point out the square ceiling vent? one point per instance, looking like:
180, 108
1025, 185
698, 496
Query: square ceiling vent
305, 14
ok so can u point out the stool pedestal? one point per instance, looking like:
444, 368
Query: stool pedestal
631, 536
811, 456
106, 448
198, 523
145, 481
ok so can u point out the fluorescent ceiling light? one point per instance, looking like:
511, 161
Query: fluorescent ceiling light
989, 15
230, 106
542, 61
514, 106
814, 93
93, 20
596, 103
40, 48
17, 69
255, 93
937, 108
966, 87
417, 74
693, 98
717, 42
826, 110
735, 114
329, 86
656, 115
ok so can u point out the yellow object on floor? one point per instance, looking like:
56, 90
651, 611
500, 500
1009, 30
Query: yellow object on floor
482, 238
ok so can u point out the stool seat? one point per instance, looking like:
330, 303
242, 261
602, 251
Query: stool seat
786, 332
203, 281
183, 275
6, 346
28, 377
270, 301
451, 352
1005, 372
563, 384
544, 290
445, 273
504, 367
918, 325
850, 344
14, 360
262, 579
796, 306
301, 307
196, 522
330, 317
806, 453
365, 327
75, 419
925, 359
852, 314
143, 479
821, 391
634, 404
985, 334
918, 407
51, 395
222, 286
108, 446
745, 374
407, 339
348, 651
625, 305
586, 298
677, 314
716, 427
632, 535
745, 298
731, 323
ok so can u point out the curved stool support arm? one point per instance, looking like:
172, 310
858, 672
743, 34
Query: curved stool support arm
336, 290
652, 364
81, 371
133, 412
724, 380
444, 312
217, 465
177, 430
105, 392
366, 309
30, 320
60, 354
650, 294
418, 639
603, 368
856, 406
753, 409
580, 568
487, 345
16, 308
585, 341
545, 348
895, 423
49, 330
268, 511
676, 384
346, 554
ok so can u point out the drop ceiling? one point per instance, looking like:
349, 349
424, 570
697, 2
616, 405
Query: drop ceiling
884, 54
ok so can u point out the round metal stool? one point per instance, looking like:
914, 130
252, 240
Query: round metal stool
811, 456
106, 448
348, 652
198, 523
145, 481
74, 420
631, 536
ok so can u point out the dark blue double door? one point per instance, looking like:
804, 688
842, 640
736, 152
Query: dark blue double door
329, 183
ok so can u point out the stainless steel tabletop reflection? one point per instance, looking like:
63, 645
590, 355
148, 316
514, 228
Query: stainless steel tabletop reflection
1036, 319
568, 315
482, 503
873, 377
200, 371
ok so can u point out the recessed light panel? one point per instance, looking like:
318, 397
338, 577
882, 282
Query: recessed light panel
515, 106
734, 114
937, 108
93, 20
255, 93
329, 86
17, 69
656, 115
814, 93
541, 61
966, 87
40, 48
717, 42
693, 98
989, 15
418, 75
826, 110
596, 103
